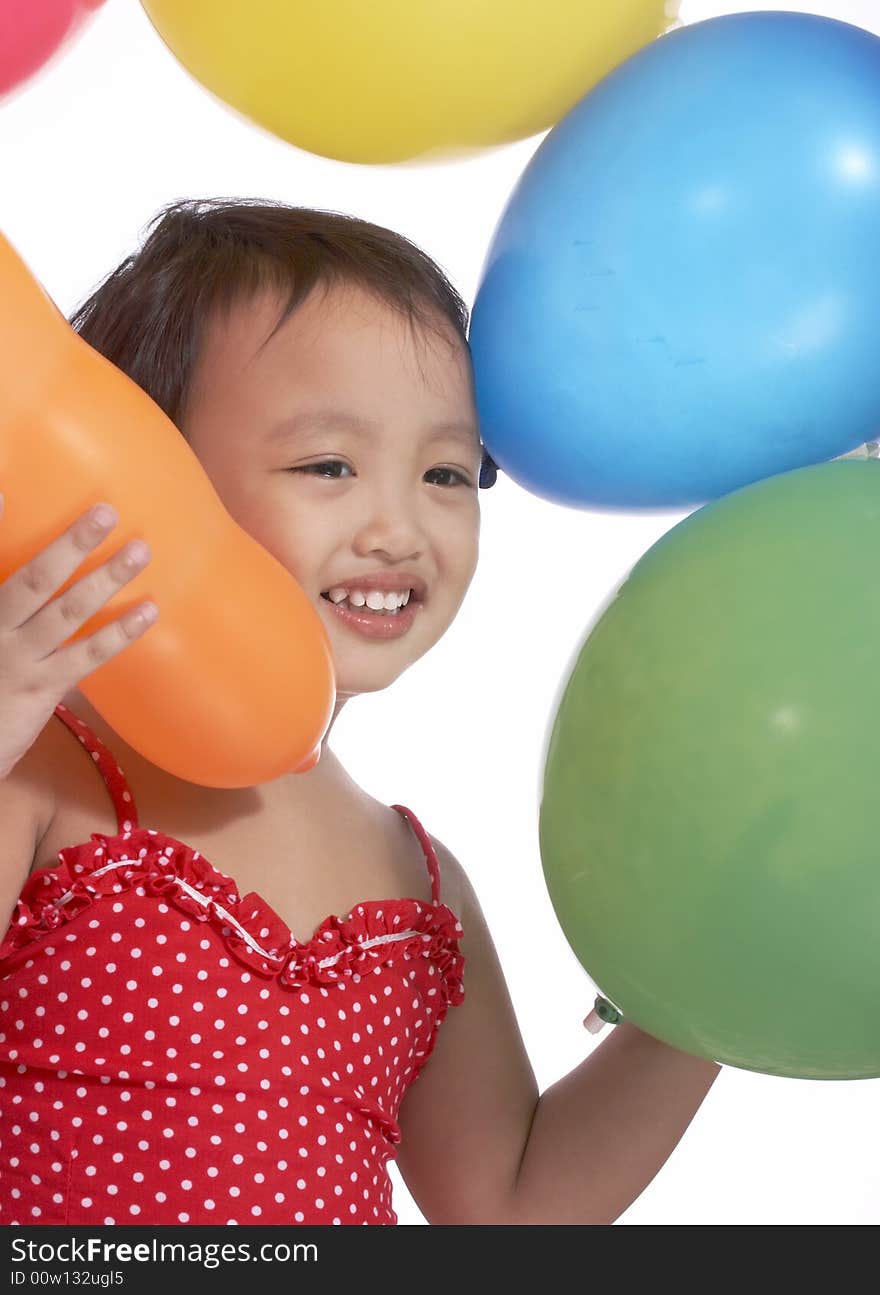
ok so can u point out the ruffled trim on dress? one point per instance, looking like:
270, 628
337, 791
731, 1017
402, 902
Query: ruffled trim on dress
376, 931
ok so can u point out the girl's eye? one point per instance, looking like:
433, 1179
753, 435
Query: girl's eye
315, 469
461, 479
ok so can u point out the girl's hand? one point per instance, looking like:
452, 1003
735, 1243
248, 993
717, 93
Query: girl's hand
35, 671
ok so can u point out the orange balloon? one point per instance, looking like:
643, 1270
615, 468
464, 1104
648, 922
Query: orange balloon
233, 685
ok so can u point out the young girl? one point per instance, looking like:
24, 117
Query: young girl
185, 1036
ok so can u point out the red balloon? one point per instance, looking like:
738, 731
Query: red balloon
31, 31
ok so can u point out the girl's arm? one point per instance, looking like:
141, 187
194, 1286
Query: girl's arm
480, 1145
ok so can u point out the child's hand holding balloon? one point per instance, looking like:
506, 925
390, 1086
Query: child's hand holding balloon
36, 671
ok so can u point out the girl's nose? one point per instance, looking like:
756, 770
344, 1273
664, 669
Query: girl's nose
392, 527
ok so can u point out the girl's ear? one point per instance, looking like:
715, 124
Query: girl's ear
488, 471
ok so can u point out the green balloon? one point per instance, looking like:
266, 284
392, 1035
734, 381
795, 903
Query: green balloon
708, 823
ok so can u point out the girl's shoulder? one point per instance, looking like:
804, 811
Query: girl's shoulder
41, 769
455, 886
65, 782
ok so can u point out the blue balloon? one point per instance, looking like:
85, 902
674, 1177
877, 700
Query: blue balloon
683, 293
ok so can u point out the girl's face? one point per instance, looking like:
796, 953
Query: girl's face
348, 446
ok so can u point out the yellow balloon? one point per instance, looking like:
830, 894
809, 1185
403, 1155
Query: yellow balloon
392, 80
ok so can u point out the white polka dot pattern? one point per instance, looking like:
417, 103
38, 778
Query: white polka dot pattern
169, 1054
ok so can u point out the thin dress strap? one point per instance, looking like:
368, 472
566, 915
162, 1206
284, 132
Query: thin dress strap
430, 856
114, 779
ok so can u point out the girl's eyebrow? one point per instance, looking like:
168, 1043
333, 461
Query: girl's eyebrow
320, 419
338, 420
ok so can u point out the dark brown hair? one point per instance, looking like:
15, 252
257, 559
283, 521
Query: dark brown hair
204, 254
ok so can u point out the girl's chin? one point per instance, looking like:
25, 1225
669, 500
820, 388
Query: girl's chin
351, 685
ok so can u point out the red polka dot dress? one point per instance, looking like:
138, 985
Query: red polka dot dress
169, 1054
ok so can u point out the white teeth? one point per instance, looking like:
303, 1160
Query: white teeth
378, 602
375, 599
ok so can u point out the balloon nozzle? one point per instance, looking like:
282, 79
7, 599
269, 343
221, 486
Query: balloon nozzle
603, 1013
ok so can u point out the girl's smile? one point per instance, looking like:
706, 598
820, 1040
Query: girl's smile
370, 622
378, 604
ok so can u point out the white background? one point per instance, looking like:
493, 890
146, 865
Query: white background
89, 150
